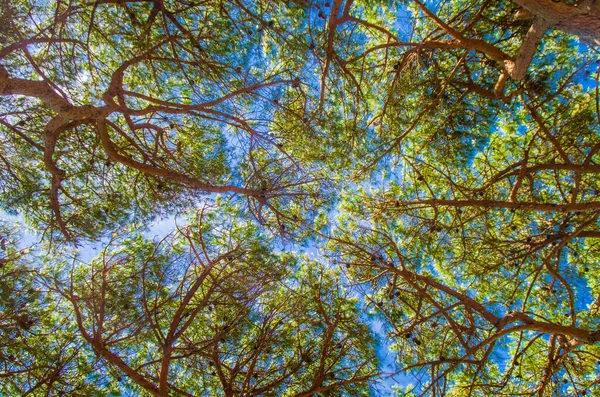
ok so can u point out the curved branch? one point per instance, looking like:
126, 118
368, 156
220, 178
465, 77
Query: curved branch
194, 183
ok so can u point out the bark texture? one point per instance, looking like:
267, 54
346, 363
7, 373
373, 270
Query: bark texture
582, 21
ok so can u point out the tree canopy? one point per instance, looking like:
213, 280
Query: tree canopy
273, 198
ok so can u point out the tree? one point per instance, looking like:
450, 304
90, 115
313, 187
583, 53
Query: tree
468, 245
208, 309
442, 158
38, 353
211, 309
149, 103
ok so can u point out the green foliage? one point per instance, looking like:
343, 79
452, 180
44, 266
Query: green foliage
338, 179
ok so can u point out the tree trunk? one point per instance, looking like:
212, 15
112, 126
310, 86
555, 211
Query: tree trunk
582, 21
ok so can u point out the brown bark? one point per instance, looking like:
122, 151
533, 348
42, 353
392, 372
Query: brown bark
518, 68
583, 21
542, 207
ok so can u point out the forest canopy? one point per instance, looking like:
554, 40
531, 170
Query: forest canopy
297, 198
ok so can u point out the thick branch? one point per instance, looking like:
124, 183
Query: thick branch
542, 207
518, 68
45, 93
